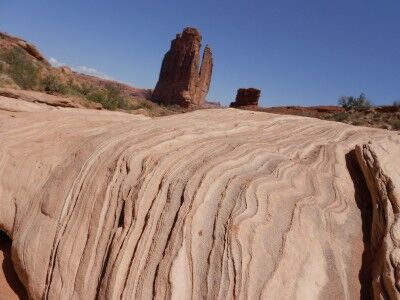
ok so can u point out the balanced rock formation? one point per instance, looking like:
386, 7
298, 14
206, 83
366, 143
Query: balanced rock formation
246, 97
182, 80
212, 204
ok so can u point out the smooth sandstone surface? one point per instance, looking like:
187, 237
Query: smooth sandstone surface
216, 204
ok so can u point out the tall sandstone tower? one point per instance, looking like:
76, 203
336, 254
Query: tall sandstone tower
182, 80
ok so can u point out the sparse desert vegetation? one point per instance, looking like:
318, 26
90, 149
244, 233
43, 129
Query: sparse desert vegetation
20, 70
30, 75
355, 103
360, 111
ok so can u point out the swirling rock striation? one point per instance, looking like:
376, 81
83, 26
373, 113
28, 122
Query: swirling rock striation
215, 204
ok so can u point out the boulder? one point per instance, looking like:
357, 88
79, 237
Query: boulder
246, 97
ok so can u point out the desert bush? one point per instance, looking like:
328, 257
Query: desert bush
110, 97
357, 103
141, 104
395, 124
340, 117
51, 84
84, 89
357, 122
21, 70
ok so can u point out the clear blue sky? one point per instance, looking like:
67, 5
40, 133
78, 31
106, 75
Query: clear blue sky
306, 52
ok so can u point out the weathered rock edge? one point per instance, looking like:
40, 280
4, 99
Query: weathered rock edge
378, 164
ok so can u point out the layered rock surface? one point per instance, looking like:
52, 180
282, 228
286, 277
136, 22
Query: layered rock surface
216, 204
182, 80
380, 165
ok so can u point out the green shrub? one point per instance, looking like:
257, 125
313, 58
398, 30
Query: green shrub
356, 103
395, 124
21, 70
340, 117
51, 84
357, 122
97, 96
110, 97
84, 89
141, 104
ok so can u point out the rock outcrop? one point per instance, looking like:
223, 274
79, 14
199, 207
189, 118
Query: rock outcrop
212, 204
63, 73
246, 97
29, 48
182, 80
380, 164
39, 97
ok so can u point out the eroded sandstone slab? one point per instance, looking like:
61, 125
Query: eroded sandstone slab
215, 204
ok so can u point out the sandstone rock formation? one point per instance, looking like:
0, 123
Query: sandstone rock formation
246, 97
181, 79
38, 97
215, 204
29, 48
380, 166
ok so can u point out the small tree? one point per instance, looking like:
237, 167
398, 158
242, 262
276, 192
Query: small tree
356, 103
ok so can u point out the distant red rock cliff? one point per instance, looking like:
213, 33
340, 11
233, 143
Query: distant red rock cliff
246, 97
